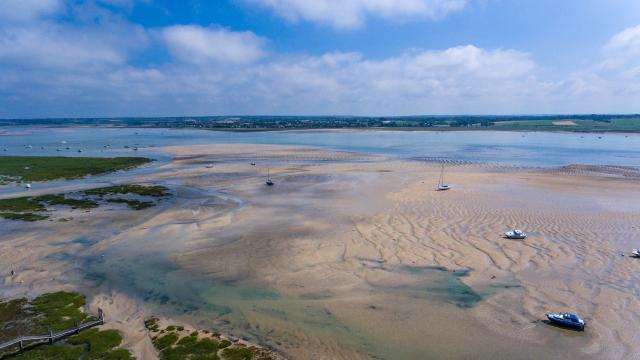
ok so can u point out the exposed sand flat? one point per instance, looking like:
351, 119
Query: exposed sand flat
339, 259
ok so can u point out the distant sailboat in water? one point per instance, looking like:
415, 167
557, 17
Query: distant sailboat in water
441, 184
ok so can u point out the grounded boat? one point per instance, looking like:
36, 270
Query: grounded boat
441, 185
635, 253
515, 234
567, 320
268, 182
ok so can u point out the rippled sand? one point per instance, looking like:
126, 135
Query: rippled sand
352, 256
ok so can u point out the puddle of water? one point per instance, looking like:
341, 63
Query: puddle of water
261, 314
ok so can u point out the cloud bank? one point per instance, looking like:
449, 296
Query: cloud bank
91, 68
349, 14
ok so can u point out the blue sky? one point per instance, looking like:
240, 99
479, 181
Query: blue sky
311, 57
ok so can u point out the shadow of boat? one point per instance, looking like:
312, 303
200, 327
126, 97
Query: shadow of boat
563, 327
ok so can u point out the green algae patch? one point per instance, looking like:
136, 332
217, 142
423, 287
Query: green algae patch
33, 208
21, 204
142, 190
133, 204
440, 284
42, 168
59, 199
23, 216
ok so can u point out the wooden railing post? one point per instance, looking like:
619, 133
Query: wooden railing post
21, 346
101, 316
50, 336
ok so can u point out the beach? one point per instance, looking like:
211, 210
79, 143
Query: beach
352, 255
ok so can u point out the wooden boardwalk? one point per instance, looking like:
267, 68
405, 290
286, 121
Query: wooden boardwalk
53, 337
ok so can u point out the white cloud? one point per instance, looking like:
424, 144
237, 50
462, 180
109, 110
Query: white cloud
418, 82
353, 13
459, 79
196, 44
622, 48
52, 46
26, 10
625, 41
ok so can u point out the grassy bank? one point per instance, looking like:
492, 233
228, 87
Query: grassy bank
176, 343
42, 168
573, 125
58, 311
136, 197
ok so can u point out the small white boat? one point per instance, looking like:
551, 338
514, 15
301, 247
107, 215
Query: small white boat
79, 150
209, 166
253, 164
27, 186
515, 234
635, 253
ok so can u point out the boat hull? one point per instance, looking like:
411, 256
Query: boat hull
565, 323
513, 236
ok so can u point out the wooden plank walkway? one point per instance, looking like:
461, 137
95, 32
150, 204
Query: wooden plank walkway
51, 337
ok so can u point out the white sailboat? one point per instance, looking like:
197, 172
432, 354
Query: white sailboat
441, 185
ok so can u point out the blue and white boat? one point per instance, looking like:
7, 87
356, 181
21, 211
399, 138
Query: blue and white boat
635, 253
567, 320
515, 234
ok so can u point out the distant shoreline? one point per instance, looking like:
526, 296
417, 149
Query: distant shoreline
548, 123
502, 128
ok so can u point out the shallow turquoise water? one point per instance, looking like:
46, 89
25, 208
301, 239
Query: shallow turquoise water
518, 148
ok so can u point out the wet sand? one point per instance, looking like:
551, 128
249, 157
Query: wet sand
353, 256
